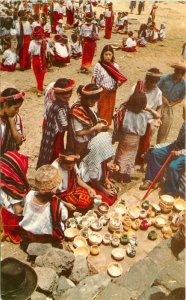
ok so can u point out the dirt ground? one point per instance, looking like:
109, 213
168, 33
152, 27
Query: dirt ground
133, 66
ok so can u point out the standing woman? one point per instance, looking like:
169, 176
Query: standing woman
109, 20
106, 75
70, 12
37, 49
56, 123
11, 133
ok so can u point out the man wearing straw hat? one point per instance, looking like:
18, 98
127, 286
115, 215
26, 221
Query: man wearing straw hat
173, 88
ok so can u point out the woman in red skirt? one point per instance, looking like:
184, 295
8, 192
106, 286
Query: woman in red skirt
109, 20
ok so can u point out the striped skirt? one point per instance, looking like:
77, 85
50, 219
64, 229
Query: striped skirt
126, 152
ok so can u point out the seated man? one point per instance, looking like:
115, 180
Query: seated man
155, 159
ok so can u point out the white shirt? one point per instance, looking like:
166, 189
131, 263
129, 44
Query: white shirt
154, 99
35, 24
47, 28
27, 29
61, 50
76, 48
56, 7
130, 42
86, 31
37, 218
10, 57
35, 47
135, 123
59, 29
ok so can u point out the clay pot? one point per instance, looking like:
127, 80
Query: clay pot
152, 235
145, 205
124, 239
94, 250
144, 225
107, 239
131, 251
143, 214
115, 241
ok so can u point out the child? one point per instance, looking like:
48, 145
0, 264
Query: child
59, 27
9, 58
37, 49
101, 21
44, 214
72, 188
46, 27
61, 50
76, 48
152, 34
162, 33
132, 126
130, 44
142, 36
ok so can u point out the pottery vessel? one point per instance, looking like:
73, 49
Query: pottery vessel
143, 214
114, 269
124, 239
131, 251
115, 241
144, 225
94, 249
118, 253
107, 239
152, 235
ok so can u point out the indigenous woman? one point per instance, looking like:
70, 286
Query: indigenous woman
13, 189
23, 31
72, 188
109, 20
88, 35
154, 103
37, 49
11, 129
83, 121
52, 142
93, 168
44, 214
107, 76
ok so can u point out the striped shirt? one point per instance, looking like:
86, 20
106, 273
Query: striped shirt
103, 79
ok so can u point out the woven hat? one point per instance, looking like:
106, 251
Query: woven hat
18, 280
69, 159
179, 66
38, 32
47, 178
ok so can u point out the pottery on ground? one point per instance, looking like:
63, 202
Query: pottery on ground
79, 241
84, 250
115, 269
71, 233
94, 249
180, 204
118, 254
95, 238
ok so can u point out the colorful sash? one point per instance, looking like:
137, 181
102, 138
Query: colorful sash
13, 169
83, 115
113, 72
56, 214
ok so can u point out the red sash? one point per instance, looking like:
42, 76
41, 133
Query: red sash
56, 214
113, 72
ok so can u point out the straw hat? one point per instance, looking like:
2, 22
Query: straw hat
47, 178
179, 65
18, 280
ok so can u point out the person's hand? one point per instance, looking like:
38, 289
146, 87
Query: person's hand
165, 101
70, 206
98, 127
175, 153
91, 192
157, 122
109, 193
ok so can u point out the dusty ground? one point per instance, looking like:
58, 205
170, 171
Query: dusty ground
133, 66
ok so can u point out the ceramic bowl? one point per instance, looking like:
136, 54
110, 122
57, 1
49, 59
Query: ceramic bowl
79, 241
115, 241
114, 224
134, 212
94, 250
180, 204
156, 207
114, 215
167, 199
160, 221
84, 222
143, 214
165, 208
82, 251
104, 219
106, 239
96, 225
71, 233
118, 254
120, 209
114, 269
84, 232
103, 208
95, 238
97, 201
